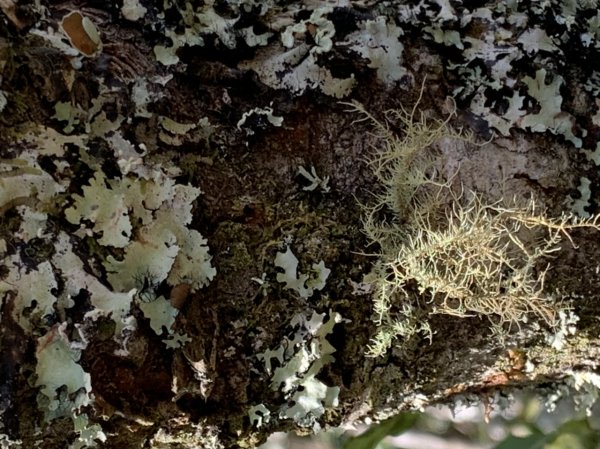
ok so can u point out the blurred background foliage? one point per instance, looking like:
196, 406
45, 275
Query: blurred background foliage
523, 424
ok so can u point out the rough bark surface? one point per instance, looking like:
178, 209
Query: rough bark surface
252, 203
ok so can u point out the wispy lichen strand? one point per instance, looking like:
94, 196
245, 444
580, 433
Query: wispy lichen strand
444, 250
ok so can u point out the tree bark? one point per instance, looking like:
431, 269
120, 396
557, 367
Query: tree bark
225, 96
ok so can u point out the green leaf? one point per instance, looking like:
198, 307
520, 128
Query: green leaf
536, 441
391, 426
575, 434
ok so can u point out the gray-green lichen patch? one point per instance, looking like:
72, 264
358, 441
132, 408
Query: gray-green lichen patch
138, 214
304, 284
300, 360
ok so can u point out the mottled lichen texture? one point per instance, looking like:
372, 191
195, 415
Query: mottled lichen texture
182, 206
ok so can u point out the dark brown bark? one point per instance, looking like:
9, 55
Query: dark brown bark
252, 202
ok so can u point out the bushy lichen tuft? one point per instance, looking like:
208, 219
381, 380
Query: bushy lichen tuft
444, 250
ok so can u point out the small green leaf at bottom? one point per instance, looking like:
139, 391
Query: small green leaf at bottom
391, 426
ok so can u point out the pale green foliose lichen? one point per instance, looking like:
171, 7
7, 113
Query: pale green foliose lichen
31, 287
181, 256
314, 179
300, 360
22, 178
160, 313
550, 101
106, 208
378, 41
578, 205
133, 10
143, 213
105, 302
320, 28
304, 284
87, 435
199, 22
267, 113
292, 62
57, 368
259, 415
7, 443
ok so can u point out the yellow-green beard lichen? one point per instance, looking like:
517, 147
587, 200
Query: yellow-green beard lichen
464, 255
